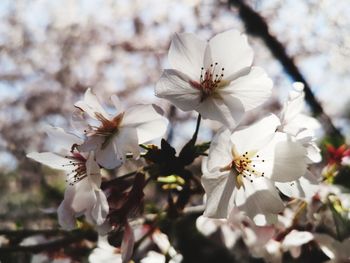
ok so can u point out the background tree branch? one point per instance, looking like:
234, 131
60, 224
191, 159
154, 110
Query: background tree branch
257, 26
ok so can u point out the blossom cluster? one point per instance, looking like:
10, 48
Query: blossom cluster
248, 171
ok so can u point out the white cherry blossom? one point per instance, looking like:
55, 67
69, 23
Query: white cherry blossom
242, 167
294, 122
83, 194
113, 136
303, 127
214, 77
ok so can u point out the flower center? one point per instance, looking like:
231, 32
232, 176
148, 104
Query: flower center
78, 162
244, 165
210, 79
107, 129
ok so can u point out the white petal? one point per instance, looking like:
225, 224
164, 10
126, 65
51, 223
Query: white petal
175, 87
148, 121
231, 51
284, 159
93, 172
91, 105
313, 153
52, 160
296, 239
252, 89
293, 106
127, 142
256, 135
91, 143
219, 190
84, 197
227, 110
208, 226
220, 150
66, 216
117, 104
108, 156
78, 121
62, 140
162, 241
100, 210
258, 196
186, 54
154, 257
305, 187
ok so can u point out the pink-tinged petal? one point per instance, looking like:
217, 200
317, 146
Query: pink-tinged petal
52, 160
186, 54
100, 210
258, 197
175, 87
304, 188
61, 139
220, 151
231, 51
256, 135
282, 160
148, 121
228, 110
66, 216
219, 188
128, 242
91, 105
252, 89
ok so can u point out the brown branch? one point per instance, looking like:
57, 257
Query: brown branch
72, 237
256, 25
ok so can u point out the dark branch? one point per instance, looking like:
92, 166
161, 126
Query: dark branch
69, 238
257, 26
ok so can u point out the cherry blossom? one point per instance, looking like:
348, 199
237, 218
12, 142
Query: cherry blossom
214, 78
83, 194
113, 136
242, 167
303, 127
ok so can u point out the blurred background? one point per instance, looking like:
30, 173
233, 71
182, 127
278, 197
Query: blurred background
52, 51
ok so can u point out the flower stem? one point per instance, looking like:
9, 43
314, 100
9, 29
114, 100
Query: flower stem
195, 134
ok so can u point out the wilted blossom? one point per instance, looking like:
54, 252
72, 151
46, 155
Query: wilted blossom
112, 136
242, 167
214, 77
83, 194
